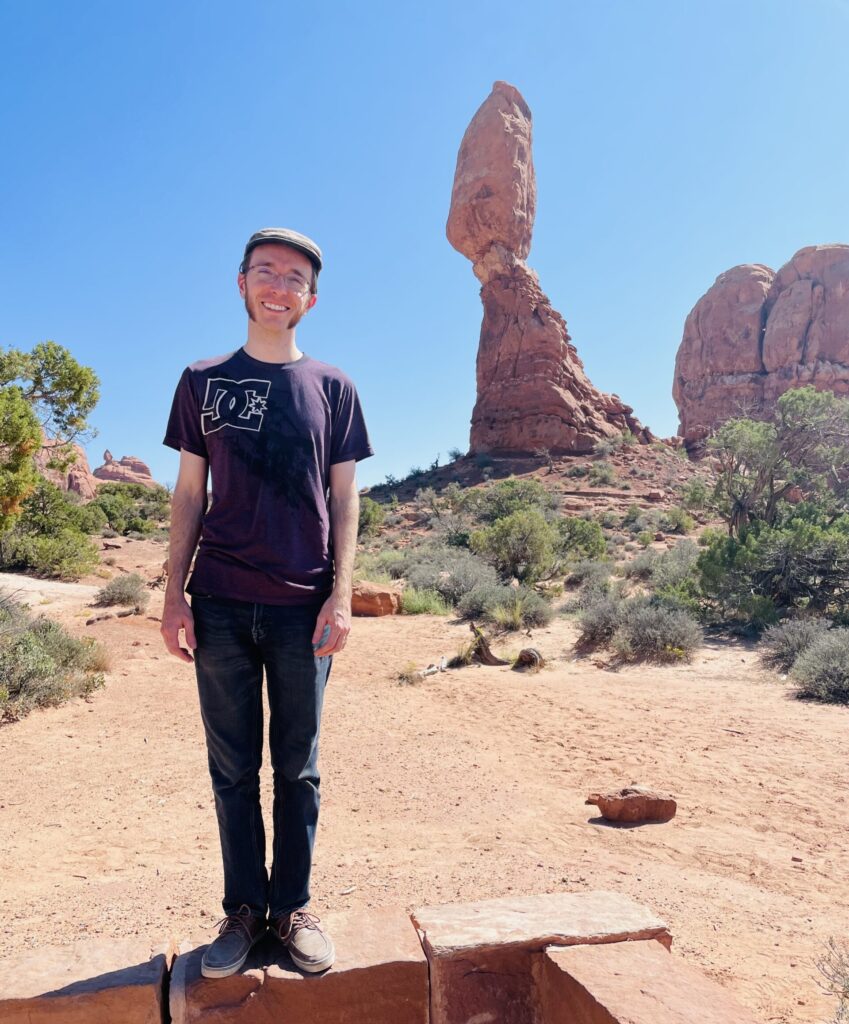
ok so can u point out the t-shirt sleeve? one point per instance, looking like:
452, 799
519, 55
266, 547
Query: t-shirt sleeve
349, 439
184, 426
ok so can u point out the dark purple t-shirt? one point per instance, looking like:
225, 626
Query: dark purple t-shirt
270, 433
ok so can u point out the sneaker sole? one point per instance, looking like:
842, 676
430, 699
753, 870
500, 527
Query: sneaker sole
225, 972
313, 966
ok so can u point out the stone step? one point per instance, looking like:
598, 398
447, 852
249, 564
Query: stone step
629, 983
93, 981
380, 977
481, 954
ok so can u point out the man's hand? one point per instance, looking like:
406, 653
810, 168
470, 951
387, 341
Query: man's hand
335, 613
177, 615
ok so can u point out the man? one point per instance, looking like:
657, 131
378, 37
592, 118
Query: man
271, 589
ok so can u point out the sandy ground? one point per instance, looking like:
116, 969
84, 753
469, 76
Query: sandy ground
466, 786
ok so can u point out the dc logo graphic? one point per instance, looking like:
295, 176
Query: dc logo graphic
234, 403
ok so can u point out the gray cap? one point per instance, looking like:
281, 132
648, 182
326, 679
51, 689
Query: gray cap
285, 236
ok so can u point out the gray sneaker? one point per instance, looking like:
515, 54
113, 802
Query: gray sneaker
237, 936
308, 946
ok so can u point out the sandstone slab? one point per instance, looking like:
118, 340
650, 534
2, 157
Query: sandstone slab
126, 470
481, 954
373, 599
380, 976
634, 804
629, 983
97, 981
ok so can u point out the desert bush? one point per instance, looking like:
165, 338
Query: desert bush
695, 495
372, 515
379, 566
451, 573
577, 471
132, 507
65, 556
670, 568
821, 672
644, 538
640, 567
651, 632
581, 538
523, 610
676, 520
589, 571
599, 619
423, 602
601, 474
509, 496
522, 544
784, 642
124, 590
833, 966
41, 664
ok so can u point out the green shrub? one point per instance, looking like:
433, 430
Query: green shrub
821, 672
600, 619
423, 602
695, 495
523, 544
125, 590
672, 567
66, 556
41, 664
783, 643
641, 566
505, 605
589, 571
676, 520
581, 538
372, 516
644, 538
132, 507
509, 496
601, 475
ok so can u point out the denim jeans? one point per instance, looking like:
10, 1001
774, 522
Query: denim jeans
236, 640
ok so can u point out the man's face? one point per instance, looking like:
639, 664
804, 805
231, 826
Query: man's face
273, 304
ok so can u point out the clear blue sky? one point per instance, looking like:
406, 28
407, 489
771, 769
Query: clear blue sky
143, 143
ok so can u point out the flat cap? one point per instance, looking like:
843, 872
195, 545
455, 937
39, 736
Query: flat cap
285, 236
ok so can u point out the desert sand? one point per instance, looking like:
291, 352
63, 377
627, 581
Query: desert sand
468, 785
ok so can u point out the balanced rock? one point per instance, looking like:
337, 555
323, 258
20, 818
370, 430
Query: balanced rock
373, 599
634, 803
757, 333
532, 391
127, 470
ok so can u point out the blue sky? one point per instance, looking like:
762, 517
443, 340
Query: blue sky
143, 143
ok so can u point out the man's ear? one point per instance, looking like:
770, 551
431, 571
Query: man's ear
312, 302
241, 282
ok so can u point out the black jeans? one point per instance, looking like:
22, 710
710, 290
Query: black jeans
235, 641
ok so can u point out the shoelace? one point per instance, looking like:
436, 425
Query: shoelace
234, 922
300, 919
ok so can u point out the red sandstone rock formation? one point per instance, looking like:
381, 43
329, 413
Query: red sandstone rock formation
754, 334
128, 470
77, 477
371, 599
532, 391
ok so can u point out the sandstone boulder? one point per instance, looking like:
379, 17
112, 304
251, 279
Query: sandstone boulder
756, 333
634, 804
373, 599
77, 477
127, 470
532, 391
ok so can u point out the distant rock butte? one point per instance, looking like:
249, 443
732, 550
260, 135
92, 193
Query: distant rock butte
756, 333
532, 391
127, 470
78, 477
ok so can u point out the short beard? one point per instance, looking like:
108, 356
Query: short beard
297, 314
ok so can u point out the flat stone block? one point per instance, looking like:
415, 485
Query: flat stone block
629, 983
380, 976
94, 981
481, 954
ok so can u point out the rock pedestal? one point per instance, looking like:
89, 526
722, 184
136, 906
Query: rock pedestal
532, 391
126, 470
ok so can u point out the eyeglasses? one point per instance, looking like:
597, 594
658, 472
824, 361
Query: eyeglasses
288, 282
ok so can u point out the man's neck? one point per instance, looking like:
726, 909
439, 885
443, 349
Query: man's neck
271, 348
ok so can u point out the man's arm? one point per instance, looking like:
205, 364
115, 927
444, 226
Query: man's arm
344, 523
187, 508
